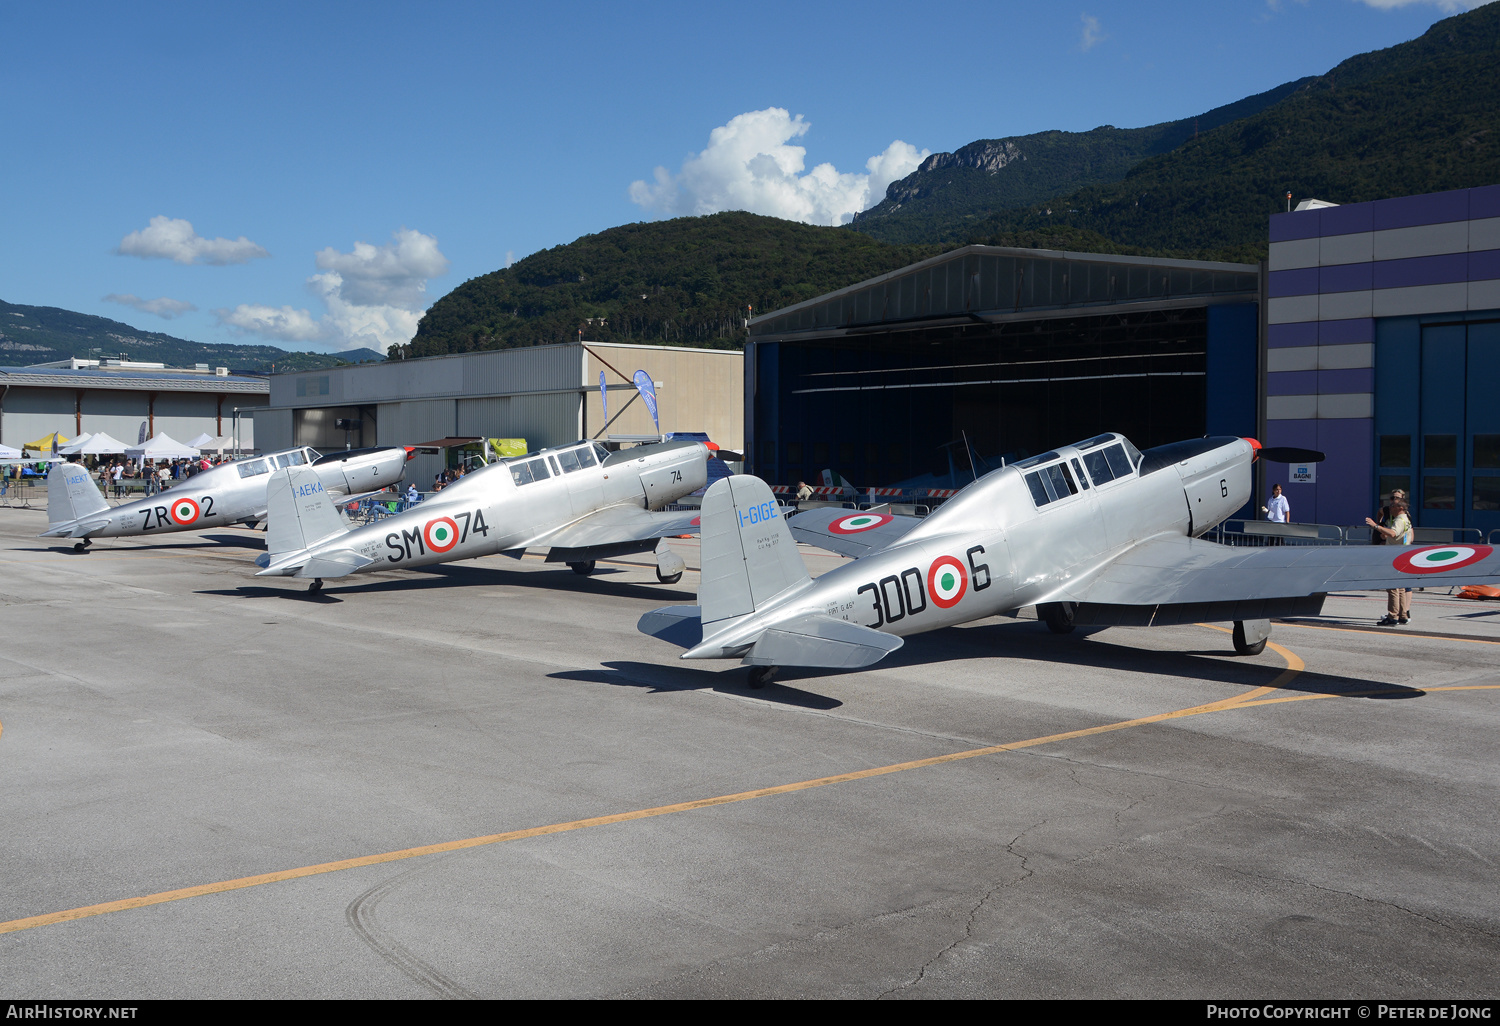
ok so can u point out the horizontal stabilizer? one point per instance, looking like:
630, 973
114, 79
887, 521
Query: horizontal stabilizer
676, 625
340, 563
821, 641
850, 532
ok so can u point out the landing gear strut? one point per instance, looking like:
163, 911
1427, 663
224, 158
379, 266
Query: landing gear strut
315, 587
583, 569
1058, 616
760, 676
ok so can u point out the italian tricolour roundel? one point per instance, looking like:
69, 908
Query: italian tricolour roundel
859, 522
184, 511
1434, 559
946, 582
440, 534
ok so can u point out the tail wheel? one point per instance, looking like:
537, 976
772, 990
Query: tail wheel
315, 587
760, 676
1058, 616
82, 546
583, 569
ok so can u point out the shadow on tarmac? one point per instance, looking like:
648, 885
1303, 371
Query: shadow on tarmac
449, 576
215, 541
657, 678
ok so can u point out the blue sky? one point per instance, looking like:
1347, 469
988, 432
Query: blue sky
315, 175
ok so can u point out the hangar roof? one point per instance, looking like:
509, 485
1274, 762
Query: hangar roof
134, 381
990, 284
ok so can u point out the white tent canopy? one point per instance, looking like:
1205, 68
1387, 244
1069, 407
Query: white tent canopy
213, 443
72, 447
99, 444
7, 453
161, 447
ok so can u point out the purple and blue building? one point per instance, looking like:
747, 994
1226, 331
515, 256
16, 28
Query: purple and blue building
1382, 349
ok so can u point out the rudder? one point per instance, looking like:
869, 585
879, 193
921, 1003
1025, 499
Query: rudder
299, 512
748, 556
72, 494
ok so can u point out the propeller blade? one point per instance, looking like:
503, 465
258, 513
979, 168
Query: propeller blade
1290, 454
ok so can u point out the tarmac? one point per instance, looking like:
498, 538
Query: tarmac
480, 781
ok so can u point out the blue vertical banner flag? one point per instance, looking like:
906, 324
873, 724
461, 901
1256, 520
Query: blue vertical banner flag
604, 398
647, 388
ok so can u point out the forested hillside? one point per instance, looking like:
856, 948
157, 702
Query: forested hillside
687, 281
1423, 116
944, 199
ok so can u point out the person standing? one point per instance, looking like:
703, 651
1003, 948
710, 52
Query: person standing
116, 474
1277, 509
1396, 530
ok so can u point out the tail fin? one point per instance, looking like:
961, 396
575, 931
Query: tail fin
300, 513
748, 555
71, 494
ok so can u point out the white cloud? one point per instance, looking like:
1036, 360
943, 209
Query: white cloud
374, 296
1448, 6
162, 307
1093, 33
282, 323
750, 165
170, 238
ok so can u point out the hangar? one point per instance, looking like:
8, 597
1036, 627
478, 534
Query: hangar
78, 396
1001, 353
1383, 350
548, 395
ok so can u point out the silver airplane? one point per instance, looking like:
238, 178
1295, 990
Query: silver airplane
581, 501
1096, 533
231, 493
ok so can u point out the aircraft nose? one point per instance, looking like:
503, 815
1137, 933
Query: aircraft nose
411, 452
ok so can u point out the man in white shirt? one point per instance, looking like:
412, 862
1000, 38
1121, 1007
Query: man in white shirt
1277, 509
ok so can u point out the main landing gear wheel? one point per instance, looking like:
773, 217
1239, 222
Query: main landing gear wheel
670, 579
760, 676
315, 587
583, 569
1258, 629
1058, 616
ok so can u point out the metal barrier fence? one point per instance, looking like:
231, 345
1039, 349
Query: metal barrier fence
1263, 532
23, 493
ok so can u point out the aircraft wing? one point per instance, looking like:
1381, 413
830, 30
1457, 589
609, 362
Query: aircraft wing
1173, 579
849, 532
618, 525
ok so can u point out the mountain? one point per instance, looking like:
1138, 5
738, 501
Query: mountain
687, 281
42, 334
1422, 116
944, 198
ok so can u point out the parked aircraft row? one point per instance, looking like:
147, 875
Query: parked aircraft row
1094, 533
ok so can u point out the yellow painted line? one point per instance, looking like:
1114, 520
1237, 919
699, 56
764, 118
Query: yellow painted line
1294, 667
1372, 691
1397, 633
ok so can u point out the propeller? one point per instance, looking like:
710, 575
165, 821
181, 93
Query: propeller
1285, 453
1290, 454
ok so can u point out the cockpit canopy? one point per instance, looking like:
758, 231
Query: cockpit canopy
555, 461
1100, 460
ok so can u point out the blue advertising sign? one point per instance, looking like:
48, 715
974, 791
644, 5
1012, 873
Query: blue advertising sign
647, 388
603, 397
